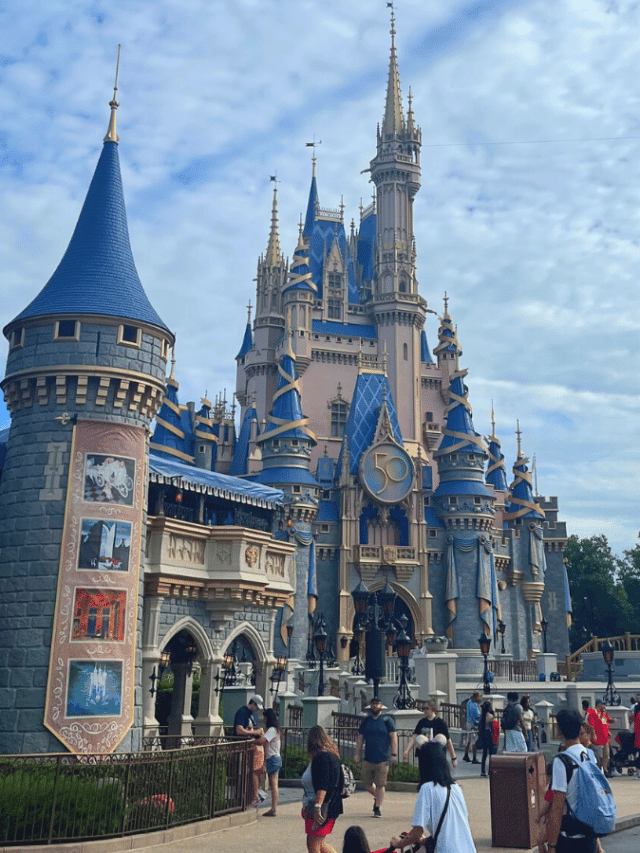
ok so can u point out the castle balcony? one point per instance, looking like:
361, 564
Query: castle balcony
371, 558
228, 567
432, 434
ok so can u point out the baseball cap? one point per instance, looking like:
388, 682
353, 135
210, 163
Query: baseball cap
257, 700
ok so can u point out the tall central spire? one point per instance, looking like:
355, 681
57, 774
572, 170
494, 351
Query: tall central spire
274, 256
393, 122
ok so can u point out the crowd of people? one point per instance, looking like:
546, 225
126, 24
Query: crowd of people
440, 811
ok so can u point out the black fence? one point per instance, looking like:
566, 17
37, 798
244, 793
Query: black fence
47, 799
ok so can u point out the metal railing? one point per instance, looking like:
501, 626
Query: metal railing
625, 642
515, 670
47, 799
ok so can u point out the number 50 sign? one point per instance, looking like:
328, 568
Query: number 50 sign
386, 472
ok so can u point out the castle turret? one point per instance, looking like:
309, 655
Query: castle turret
286, 444
399, 311
85, 376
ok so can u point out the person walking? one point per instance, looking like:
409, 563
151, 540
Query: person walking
486, 730
322, 784
562, 835
378, 734
600, 720
245, 724
529, 717
271, 742
515, 730
440, 808
429, 726
473, 718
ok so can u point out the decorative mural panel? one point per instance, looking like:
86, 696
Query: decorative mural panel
90, 695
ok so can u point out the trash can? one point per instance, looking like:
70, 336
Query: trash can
517, 783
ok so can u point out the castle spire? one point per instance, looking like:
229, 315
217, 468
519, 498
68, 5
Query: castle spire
496, 474
393, 121
112, 136
274, 256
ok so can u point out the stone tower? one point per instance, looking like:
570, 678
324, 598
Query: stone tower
85, 376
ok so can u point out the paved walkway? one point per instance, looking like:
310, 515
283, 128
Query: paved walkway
285, 832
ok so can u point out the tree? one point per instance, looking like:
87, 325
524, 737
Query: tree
630, 580
600, 604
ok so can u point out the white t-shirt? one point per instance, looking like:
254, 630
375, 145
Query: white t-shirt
559, 777
455, 835
272, 746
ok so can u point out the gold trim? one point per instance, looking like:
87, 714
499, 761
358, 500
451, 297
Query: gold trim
177, 453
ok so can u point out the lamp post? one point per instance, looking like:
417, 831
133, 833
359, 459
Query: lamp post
229, 675
320, 642
403, 699
501, 630
374, 611
485, 644
163, 663
611, 695
544, 625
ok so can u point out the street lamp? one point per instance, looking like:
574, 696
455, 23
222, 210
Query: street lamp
403, 699
320, 642
374, 611
611, 695
544, 625
163, 663
501, 630
485, 644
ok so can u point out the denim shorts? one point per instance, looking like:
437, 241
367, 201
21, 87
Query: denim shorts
274, 764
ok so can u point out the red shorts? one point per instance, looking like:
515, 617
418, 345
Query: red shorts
321, 831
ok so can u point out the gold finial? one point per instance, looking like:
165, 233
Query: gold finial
446, 304
313, 163
493, 422
172, 375
519, 434
534, 468
249, 313
112, 136
300, 227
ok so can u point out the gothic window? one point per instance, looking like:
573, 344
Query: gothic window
339, 411
403, 286
429, 417
335, 280
17, 338
130, 335
405, 352
335, 309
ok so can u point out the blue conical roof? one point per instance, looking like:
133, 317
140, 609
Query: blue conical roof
459, 421
425, 355
247, 342
173, 435
286, 419
496, 474
310, 218
521, 502
300, 274
97, 274
239, 465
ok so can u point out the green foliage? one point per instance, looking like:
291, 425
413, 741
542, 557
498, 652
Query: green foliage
403, 772
294, 762
600, 602
353, 766
82, 808
630, 580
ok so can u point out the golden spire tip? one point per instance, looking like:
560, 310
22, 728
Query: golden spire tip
112, 136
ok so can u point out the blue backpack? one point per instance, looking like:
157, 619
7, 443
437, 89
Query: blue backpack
595, 812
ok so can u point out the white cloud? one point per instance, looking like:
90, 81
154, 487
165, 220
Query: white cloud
535, 242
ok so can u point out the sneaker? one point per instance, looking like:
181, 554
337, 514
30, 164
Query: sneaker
483, 774
475, 761
376, 811
466, 758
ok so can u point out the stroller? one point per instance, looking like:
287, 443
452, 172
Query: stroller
627, 756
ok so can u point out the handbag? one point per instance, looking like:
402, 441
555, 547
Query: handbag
432, 840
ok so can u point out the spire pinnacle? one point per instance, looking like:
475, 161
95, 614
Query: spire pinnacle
393, 121
249, 306
273, 257
519, 434
493, 422
112, 136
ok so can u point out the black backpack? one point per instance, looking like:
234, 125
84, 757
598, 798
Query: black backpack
509, 717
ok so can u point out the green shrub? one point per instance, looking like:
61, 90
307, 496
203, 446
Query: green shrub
294, 762
82, 808
404, 772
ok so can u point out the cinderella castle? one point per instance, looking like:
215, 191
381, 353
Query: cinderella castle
138, 531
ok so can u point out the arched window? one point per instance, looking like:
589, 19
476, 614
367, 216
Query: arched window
339, 411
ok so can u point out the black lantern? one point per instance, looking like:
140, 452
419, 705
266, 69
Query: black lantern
403, 699
501, 630
279, 668
611, 695
543, 626
320, 642
485, 644
387, 598
374, 611
163, 663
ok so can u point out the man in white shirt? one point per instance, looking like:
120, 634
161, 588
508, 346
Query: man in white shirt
562, 837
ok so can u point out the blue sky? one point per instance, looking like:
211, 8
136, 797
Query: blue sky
528, 214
